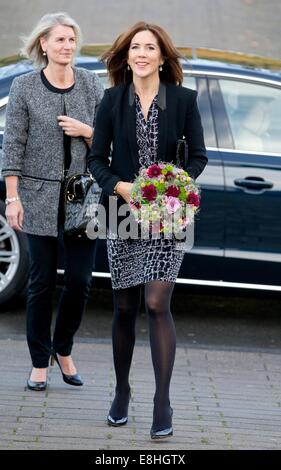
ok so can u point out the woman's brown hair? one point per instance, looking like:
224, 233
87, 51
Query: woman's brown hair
115, 58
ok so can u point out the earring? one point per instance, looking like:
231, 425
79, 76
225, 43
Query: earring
44, 53
128, 67
160, 68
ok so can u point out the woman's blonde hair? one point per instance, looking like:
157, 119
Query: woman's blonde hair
32, 47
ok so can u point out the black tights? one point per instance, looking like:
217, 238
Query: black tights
157, 296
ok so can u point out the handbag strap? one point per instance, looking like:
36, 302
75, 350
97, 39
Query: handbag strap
182, 153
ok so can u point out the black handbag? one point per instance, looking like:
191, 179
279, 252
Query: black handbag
81, 197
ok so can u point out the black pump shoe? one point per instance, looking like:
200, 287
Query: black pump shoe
117, 421
74, 379
36, 386
162, 433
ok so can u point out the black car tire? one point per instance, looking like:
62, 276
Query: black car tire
13, 273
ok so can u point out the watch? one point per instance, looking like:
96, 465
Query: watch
8, 200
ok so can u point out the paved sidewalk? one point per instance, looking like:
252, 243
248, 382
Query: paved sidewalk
221, 400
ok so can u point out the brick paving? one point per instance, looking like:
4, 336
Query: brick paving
222, 400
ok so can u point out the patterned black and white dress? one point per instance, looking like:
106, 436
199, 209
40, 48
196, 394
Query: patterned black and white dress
137, 261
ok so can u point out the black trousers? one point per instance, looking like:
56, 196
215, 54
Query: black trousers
79, 261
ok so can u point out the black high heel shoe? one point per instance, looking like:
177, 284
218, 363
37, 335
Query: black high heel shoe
118, 421
162, 433
74, 379
36, 386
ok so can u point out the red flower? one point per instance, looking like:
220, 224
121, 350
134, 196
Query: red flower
173, 191
169, 175
194, 199
149, 192
153, 171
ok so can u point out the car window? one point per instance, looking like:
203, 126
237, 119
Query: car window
103, 78
189, 82
2, 117
254, 114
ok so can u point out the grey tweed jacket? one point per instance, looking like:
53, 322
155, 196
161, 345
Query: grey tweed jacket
33, 143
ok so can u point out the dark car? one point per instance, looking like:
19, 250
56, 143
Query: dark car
238, 229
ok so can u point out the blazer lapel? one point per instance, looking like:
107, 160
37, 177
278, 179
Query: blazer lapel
162, 135
131, 128
162, 122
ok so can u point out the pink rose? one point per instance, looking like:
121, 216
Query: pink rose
172, 204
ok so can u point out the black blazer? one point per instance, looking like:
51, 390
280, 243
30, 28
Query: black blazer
178, 116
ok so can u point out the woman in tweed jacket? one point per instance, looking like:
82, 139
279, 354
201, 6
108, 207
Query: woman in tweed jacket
49, 129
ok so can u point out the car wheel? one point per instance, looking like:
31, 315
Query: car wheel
14, 260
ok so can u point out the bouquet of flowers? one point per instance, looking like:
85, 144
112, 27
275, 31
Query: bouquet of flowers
164, 199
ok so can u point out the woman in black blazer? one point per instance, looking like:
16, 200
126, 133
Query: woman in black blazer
141, 118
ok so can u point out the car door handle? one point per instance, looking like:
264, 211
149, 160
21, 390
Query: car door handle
252, 182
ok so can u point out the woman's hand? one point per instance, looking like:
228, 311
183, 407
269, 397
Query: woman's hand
14, 215
75, 128
124, 190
